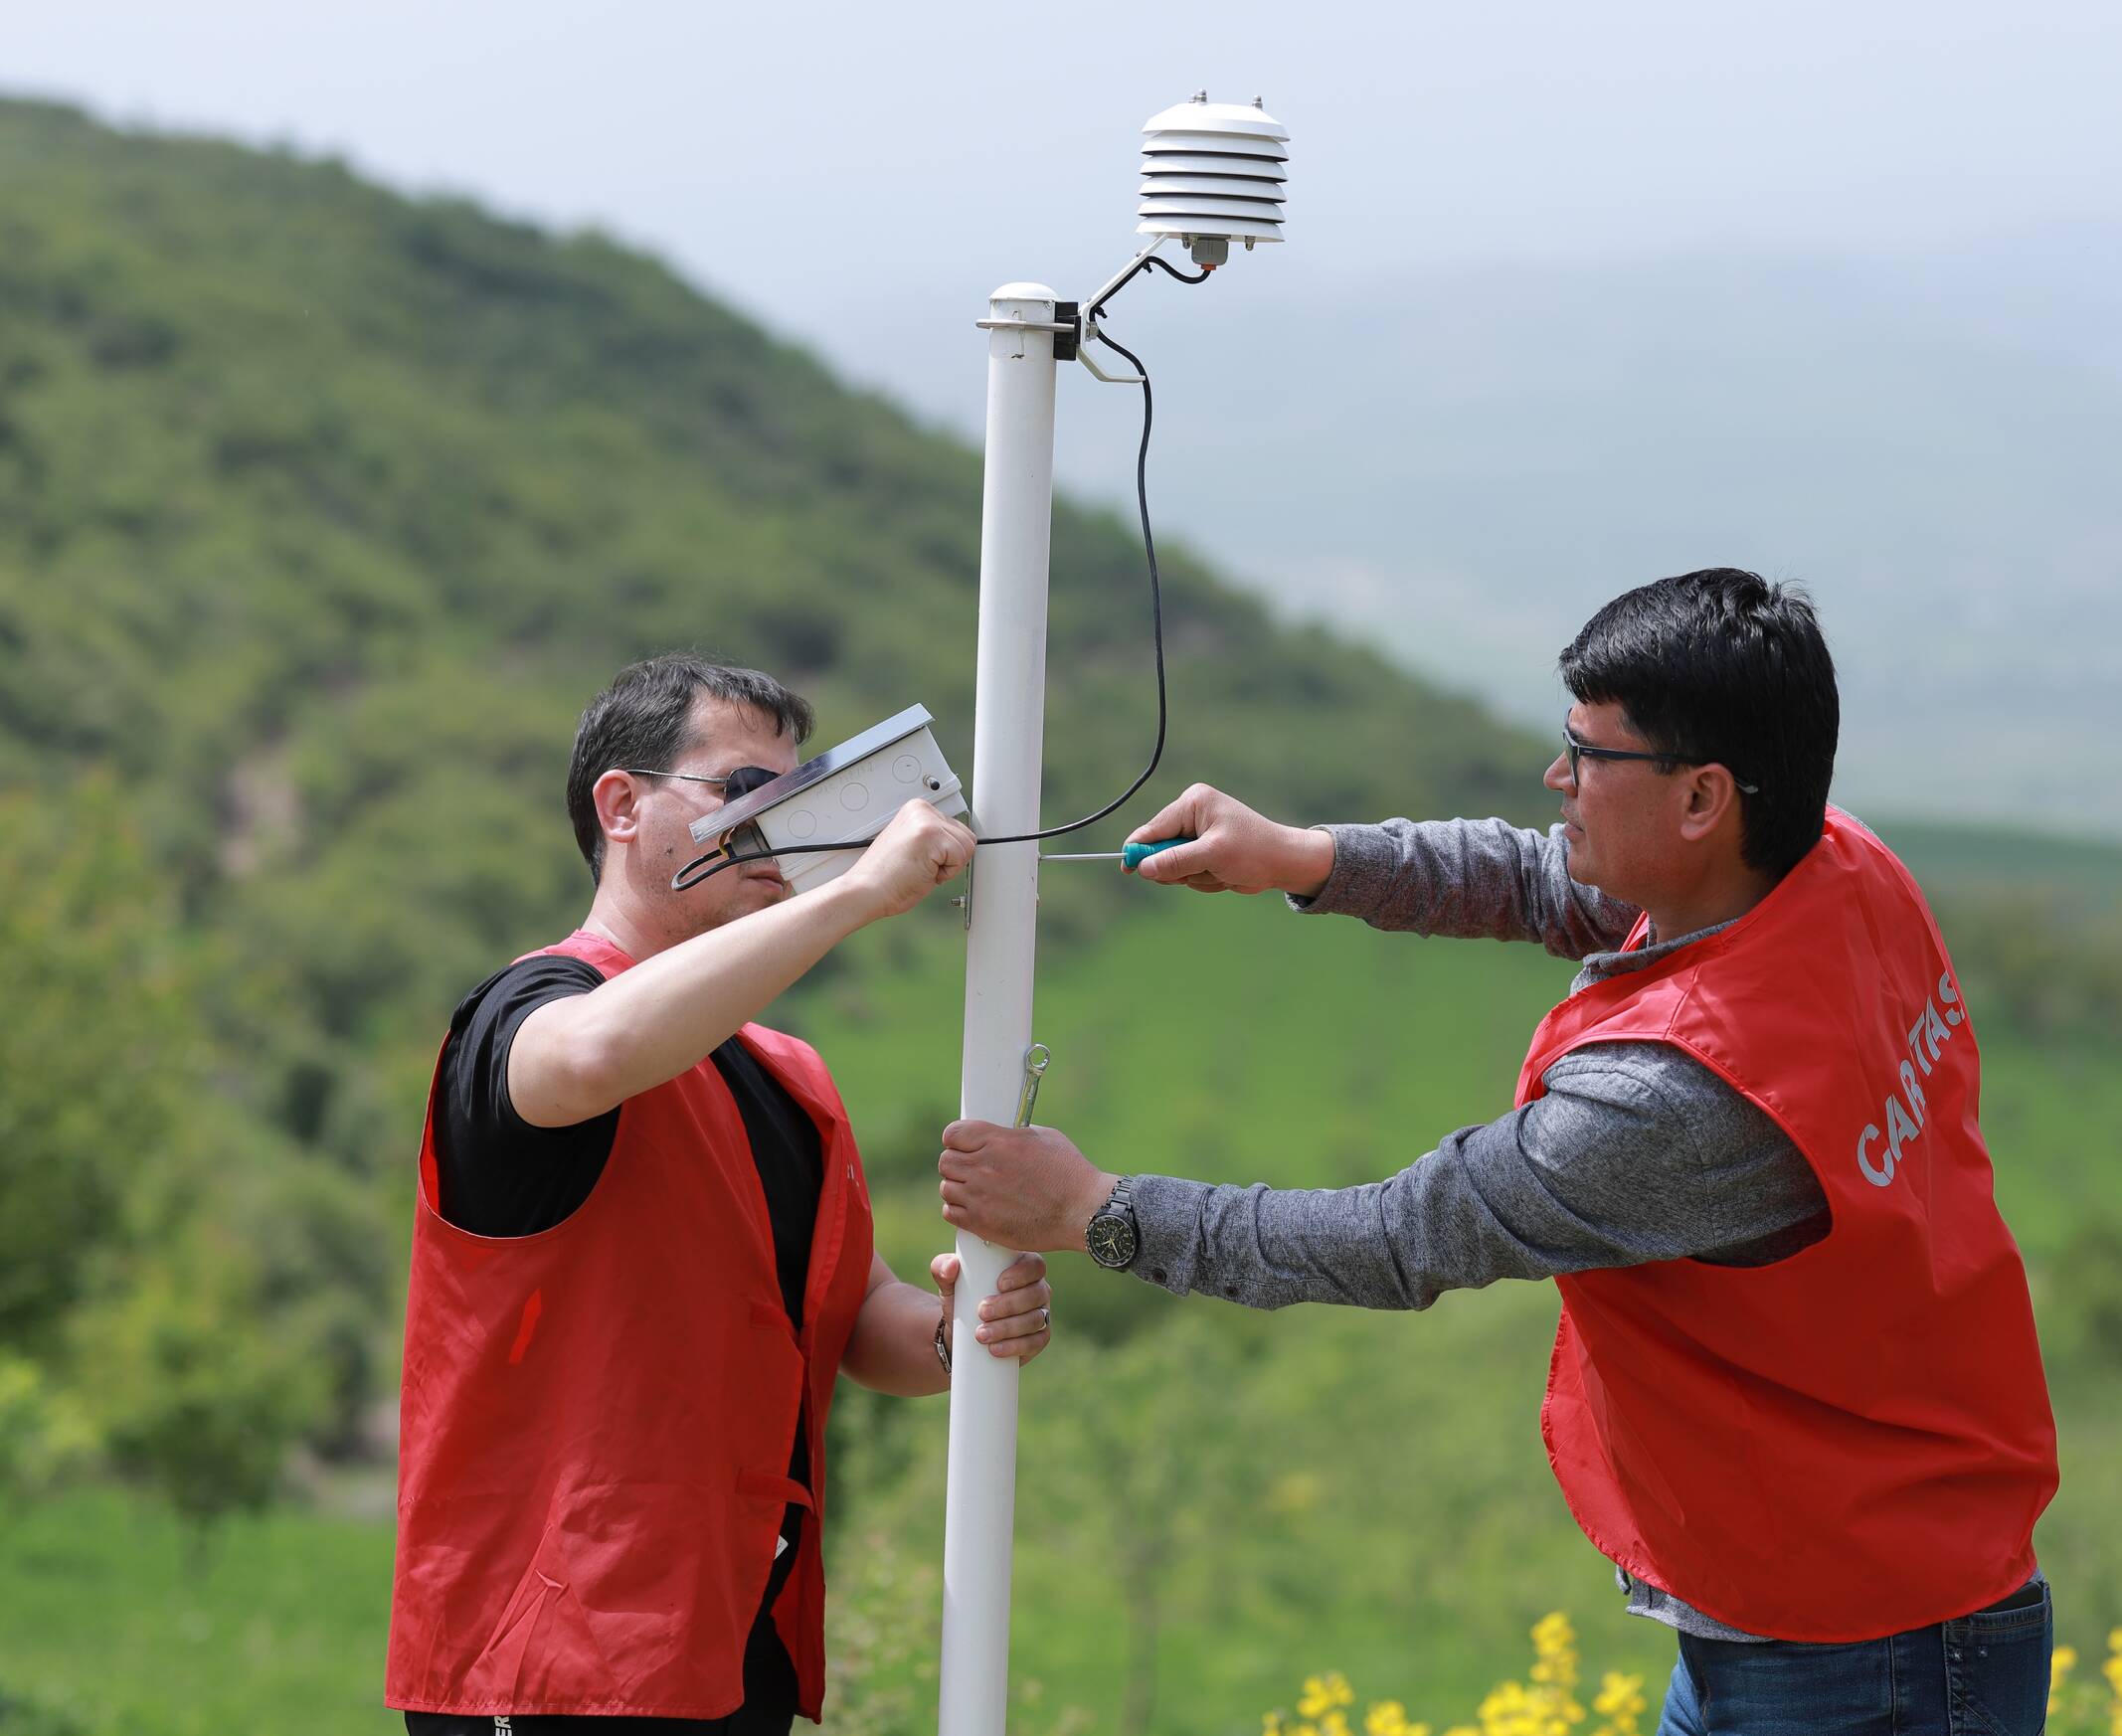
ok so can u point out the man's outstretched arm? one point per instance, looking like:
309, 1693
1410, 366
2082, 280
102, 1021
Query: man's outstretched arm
1474, 879
1635, 1154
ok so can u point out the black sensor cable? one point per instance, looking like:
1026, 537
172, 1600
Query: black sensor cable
696, 871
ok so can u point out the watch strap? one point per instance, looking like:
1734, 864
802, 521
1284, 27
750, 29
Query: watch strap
1119, 1204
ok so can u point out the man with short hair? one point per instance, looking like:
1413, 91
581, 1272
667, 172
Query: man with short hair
642, 1255
1796, 1394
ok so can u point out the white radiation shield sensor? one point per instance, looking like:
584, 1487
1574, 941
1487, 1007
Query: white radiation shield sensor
1213, 173
846, 796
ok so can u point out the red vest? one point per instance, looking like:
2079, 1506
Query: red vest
597, 1420
1856, 1440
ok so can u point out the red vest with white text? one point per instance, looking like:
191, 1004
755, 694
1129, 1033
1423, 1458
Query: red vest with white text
1856, 1440
597, 1420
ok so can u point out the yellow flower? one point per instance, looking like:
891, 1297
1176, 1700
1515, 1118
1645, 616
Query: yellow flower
1619, 1701
1323, 1693
1386, 1718
1389, 1718
1506, 1700
2112, 1670
2061, 1663
1554, 1675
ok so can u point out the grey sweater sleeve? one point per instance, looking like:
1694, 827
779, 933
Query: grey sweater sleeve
1638, 1153
1476, 879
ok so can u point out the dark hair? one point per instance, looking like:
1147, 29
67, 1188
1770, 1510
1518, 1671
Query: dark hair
645, 718
1722, 665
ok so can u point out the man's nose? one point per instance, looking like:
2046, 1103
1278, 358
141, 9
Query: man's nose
1558, 777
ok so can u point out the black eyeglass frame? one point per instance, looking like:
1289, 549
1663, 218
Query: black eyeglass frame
1575, 750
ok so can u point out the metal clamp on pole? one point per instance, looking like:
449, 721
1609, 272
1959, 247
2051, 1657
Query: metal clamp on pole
1091, 335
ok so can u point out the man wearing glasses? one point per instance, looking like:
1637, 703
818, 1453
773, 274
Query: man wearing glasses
642, 1255
1796, 1394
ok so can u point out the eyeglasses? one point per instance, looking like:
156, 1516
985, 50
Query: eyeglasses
746, 839
689, 777
1576, 749
741, 781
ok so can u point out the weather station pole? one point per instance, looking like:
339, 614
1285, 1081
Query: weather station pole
1212, 174
1008, 724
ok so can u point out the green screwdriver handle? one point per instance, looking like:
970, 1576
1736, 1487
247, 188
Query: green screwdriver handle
1132, 856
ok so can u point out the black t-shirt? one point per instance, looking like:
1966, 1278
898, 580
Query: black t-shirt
497, 1176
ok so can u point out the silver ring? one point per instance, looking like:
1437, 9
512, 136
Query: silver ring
1047, 1319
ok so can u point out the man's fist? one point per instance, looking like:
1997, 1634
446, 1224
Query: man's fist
1018, 1321
1234, 848
1020, 1187
918, 850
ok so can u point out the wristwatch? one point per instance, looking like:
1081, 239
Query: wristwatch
1110, 1236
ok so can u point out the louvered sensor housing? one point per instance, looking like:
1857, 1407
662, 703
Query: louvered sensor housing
1212, 173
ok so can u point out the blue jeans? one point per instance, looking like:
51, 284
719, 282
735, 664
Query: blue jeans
1984, 1675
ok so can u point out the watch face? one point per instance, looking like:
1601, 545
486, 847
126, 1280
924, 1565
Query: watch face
1110, 1240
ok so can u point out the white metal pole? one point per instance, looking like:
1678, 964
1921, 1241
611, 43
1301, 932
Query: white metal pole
1008, 721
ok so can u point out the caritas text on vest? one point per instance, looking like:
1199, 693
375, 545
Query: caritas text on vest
1879, 1154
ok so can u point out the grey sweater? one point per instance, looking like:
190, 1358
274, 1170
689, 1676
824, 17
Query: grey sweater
1636, 1153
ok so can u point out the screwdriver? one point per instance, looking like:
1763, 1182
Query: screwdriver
1129, 856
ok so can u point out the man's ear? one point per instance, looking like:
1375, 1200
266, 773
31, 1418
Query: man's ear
1711, 797
617, 799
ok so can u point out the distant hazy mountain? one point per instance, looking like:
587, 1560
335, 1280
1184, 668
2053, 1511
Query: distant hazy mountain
1465, 466
1479, 461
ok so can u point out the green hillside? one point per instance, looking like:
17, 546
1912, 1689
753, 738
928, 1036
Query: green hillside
322, 512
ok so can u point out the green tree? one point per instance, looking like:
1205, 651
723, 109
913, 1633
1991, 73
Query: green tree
193, 1388
98, 1041
43, 1434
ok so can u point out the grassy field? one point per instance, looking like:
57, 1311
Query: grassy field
110, 1623
1213, 1503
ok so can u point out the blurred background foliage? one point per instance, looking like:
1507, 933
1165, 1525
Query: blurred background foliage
322, 512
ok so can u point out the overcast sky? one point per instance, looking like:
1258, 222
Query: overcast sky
792, 154
861, 176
